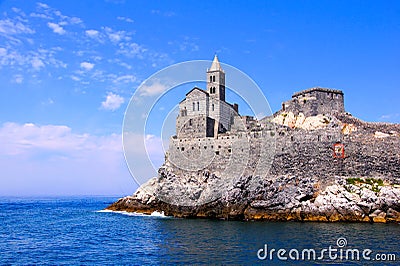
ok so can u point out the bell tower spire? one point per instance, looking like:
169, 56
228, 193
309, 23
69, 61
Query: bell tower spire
216, 80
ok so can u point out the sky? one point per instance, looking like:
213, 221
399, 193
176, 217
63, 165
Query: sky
69, 69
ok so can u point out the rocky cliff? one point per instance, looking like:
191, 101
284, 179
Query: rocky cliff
303, 181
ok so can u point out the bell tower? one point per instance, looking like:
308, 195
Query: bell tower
216, 81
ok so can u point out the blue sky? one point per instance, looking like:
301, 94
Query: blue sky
69, 68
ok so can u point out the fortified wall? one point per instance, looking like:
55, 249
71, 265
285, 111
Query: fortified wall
315, 101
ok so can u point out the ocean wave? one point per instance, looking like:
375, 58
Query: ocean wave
153, 214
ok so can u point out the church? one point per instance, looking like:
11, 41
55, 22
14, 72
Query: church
205, 113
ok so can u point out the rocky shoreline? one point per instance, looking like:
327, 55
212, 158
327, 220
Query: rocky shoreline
285, 198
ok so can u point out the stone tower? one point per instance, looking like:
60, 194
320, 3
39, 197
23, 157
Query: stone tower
216, 81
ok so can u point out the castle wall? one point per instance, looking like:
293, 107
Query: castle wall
315, 101
274, 150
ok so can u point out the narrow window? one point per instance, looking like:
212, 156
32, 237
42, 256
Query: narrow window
210, 78
198, 106
194, 107
190, 122
213, 78
212, 107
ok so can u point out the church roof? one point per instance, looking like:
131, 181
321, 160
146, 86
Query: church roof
215, 66
196, 88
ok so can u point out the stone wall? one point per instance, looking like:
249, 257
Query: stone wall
194, 126
270, 150
315, 101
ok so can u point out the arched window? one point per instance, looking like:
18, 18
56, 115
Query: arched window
198, 106
210, 78
194, 107
213, 78
212, 107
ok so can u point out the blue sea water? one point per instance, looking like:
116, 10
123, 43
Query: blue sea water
71, 231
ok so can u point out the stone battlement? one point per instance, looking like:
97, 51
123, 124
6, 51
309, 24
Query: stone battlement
319, 89
315, 101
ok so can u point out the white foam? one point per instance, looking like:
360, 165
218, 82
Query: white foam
153, 214
158, 214
104, 211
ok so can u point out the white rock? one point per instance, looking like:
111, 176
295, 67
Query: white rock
380, 135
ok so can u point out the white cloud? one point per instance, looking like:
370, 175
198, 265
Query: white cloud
3, 51
112, 102
75, 20
42, 5
10, 27
56, 28
117, 36
132, 50
39, 15
153, 89
37, 63
75, 78
390, 117
129, 20
87, 66
92, 33
125, 79
49, 101
52, 159
162, 13
18, 79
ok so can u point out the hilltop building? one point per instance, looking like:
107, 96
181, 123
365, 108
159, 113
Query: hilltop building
205, 113
315, 101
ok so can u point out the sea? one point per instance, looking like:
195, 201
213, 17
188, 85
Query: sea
77, 231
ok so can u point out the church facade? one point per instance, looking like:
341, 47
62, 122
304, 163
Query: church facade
205, 113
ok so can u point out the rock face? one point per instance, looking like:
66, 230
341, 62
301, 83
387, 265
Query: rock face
285, 198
